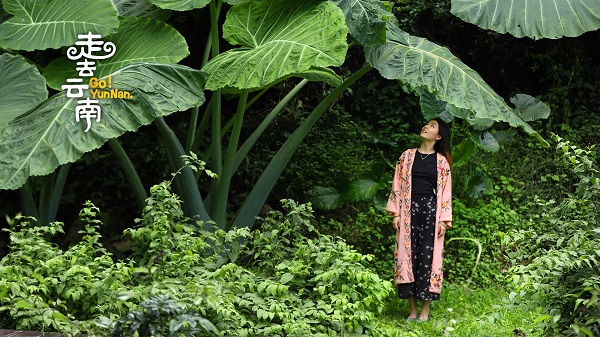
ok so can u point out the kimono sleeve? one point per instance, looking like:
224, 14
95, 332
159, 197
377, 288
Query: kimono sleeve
446, 214
393, 205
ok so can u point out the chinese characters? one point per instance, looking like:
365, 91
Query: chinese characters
87, 47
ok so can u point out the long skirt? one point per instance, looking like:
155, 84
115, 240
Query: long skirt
422, 236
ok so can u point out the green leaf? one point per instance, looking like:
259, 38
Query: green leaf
3, 15
285, 278
503, 136
140, 8
536, 19
363, 189
420, 62
235, 2
530, 108
60, 317
325, 198
478, 185
180, 5
380, 199
22, 87
485, 140
432, 107
36, 143
126, 295
22, 304
44, 24
138, 40
462, 153
277, 38
321, 75
366, 19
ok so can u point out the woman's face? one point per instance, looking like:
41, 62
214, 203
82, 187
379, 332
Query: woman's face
430, 131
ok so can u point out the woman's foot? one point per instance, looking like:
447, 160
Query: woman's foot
423, 318
411, 317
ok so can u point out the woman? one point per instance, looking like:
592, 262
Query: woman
421, 205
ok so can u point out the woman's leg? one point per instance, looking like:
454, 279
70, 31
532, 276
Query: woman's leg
413, 307
425, 310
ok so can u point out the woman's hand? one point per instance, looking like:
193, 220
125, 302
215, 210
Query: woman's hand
397, 223
442, 229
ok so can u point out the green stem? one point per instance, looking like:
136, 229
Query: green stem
257, 197
249, 143
220, 200
185, 181
214, 27
191, 135
57, 190
452, 131
262, 92
139, 193
479, 248
216, 149
202, 127
207, 50
45, 197
28, 202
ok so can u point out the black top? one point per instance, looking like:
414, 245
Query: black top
424, 174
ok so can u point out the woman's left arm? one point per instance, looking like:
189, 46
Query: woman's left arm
446, 214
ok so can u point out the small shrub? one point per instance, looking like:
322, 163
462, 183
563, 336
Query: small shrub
558, 258
370, 232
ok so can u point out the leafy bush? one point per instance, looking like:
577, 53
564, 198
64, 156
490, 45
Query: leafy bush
558, 258
483, 222
370, 232
286, 279
160, 316
44, 287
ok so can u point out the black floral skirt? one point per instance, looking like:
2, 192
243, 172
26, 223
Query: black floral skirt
422, 233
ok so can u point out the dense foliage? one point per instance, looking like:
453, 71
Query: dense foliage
557, 259
284, 279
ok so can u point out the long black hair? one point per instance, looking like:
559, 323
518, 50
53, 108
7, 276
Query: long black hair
442, 145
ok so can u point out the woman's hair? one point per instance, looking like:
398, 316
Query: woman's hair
443, 145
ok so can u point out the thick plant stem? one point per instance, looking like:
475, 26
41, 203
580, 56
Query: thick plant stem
220, 200
216, 149
133, 178
44, 201
249, 143
191, 134
28, 202
216, 145
57, 190
202, 127
257, 197
186, 183
215, 10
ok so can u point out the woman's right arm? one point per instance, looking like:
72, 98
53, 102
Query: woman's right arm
393, 205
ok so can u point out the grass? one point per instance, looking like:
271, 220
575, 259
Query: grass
465, 312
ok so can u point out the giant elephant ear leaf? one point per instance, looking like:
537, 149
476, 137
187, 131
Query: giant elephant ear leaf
22, 87
140, 8
530, 108
37, 142
277, 38
138, 40
366, 19
536, 19
44, 24
180, 5
419, 62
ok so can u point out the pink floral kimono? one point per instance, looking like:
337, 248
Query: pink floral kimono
399, 204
